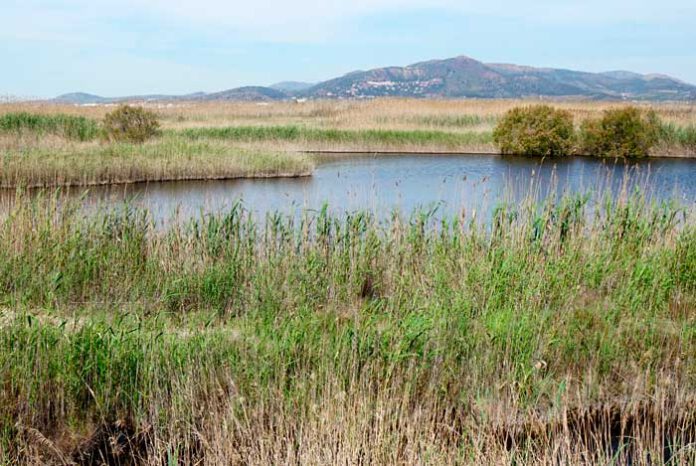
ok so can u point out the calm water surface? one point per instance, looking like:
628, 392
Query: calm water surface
385, 183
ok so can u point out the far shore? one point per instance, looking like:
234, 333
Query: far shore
348, 152
233, 140
162, 180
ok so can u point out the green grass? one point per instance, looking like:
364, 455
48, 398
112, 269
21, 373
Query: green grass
339, 339
455, 121
301, 134
684, 136
70, 127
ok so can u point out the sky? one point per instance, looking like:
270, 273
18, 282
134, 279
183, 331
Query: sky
129, 47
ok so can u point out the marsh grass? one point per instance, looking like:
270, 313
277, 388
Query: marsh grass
394, 114
366, 139
452, 122
549, 333
33, 164
678, 139
71, 127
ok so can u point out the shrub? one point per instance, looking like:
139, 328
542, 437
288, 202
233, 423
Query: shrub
131, 124
536, 130
68, 126
621, 132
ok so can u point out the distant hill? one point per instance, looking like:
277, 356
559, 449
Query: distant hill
81, 98
249, 93
464, 77
291, 86
453, 78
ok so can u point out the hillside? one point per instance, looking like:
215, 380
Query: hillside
291, 86
453, 78
249, 93
464, 77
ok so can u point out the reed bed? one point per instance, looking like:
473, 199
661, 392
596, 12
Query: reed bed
561, 332
677, 140
376, 125
345, 140
397, 114
71, 127
43, 161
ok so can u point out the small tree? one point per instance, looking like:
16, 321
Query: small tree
130, 124
536, 130
621, 132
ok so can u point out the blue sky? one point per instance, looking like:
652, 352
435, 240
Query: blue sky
122, 47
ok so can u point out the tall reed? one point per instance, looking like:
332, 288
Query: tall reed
168, 158
367, 138
550, 333
71, 127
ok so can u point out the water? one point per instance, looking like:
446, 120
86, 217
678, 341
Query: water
385, 183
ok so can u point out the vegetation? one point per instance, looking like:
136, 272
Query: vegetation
47, 145
679, 139
76, 128
621, 132
340, 138
131, 124
557, 333
454, 121
554, 333
535, 130
166, 158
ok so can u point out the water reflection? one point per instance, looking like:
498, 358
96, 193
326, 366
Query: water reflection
385, 183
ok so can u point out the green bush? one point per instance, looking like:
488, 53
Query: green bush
535, 130
621, 132
130, 124
68, 126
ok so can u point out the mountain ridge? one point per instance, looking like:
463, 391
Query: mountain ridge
291, 86
451, 78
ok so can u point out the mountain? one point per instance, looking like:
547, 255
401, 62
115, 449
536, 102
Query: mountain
291, 86
249, 93
453, 78
464, 77
81, 98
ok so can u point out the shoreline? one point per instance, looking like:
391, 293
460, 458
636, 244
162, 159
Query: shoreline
472, 152
305, 174
159, 180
